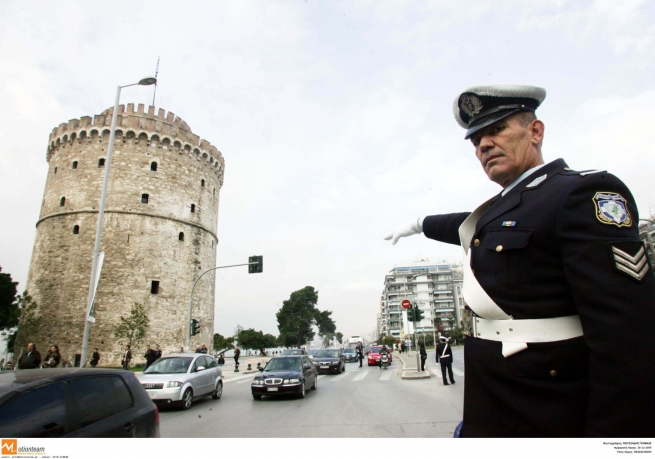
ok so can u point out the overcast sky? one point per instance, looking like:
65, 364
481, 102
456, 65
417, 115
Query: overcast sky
334, 119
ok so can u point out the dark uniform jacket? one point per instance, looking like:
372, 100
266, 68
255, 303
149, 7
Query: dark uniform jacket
448, 358
548, 249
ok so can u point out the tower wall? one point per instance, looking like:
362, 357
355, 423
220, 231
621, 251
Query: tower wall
141, 241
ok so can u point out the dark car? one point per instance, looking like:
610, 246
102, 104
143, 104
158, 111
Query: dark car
330, 361
285, 375
350, 354
75, 402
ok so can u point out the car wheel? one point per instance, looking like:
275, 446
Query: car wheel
303, 392
187, 399
257, 396
218, 391
315, 386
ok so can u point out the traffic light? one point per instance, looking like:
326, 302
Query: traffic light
418, 314
259, 267
195, 327
410, 315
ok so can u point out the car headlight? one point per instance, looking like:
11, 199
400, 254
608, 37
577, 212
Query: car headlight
286, 381
173, 384
294, 380
257, 381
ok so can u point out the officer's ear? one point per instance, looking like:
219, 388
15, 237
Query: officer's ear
537, 129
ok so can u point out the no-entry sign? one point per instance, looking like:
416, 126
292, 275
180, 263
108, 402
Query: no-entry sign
406, 304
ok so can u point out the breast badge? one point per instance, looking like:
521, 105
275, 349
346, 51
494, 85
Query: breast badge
612, 209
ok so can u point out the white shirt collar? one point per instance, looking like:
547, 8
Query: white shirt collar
520, 178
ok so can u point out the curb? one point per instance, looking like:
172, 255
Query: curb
412, 374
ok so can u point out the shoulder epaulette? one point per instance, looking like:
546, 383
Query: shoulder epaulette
582, 173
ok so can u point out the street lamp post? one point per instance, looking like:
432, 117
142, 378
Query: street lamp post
147, 81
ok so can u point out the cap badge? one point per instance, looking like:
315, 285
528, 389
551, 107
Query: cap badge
470, 104
612, 209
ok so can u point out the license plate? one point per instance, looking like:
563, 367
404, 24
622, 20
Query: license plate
272, 389
325, 366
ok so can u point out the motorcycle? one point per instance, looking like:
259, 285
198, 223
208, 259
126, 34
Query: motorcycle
384, 361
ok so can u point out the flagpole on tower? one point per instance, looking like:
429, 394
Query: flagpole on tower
156, 73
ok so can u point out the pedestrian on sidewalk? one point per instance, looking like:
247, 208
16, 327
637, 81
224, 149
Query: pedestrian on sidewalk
424, 355
237, 353
445, 358
150, 356
127, 356
95, 357
402, 347
30, 359
360, 352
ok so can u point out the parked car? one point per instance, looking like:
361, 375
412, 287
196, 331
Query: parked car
75, 402
350, 354
300, 351
285, 375
179, 379
330, 361
374, 355
312, 353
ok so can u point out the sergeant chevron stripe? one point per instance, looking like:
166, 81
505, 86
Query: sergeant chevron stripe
635, 266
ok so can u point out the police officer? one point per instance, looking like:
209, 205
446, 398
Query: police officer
553, 267
360, 353
445, 358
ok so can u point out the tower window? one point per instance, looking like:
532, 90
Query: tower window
144, 199
214, 191
154, 288
74, 164
76, 229
181, 236
101, 162
153, 166
202, 182
55, 170
62, 201
193, 207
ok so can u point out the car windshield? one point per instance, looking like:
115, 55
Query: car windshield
169, 365
349, 351
293, 352
327, 353
284, 365
376, 350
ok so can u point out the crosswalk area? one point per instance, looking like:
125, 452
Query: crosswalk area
437, 372
359, 375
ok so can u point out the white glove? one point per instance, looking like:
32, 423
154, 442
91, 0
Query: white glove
408, 229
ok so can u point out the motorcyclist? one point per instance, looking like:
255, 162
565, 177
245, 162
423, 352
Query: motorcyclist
383, 352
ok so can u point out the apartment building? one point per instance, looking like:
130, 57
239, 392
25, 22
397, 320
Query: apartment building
647, 235
435, 287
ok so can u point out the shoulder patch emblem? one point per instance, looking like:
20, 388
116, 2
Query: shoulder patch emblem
630, 258
612, 209
537, 181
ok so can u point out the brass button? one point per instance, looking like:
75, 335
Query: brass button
476, 243
473, 271
499, 248
553, 373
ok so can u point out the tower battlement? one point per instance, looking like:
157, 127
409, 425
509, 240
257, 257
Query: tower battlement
165, 130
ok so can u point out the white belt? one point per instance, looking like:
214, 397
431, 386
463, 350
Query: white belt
528, 330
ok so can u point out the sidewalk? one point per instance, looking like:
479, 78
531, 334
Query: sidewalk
228, 367
410, 370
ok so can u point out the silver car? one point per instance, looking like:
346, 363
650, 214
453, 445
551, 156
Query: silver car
178, 379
